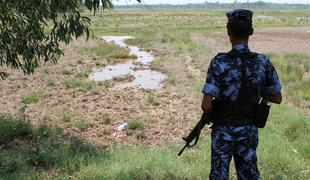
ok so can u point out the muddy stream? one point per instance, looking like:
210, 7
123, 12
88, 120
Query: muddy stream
144, 77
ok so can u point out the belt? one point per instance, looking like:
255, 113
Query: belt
233, 122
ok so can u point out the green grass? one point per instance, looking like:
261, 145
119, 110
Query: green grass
137, 123
80, 85
67, 116
12, 127
66, 71
83, 72
83, 124
152, 100
291, 69
31, 97
283, 150
107, 118
107, 50
283, 153
50, 82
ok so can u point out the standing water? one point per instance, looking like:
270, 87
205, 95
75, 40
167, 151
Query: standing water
144, 77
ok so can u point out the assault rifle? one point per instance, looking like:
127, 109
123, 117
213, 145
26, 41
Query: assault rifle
195, 133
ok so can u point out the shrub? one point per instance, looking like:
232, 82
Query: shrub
107, 118
86, 85
72, 83
172, 81
50, 82
7, 165
79, 61
12, 127
46, 152
66, 71
67, 116
31, 97
82, 125
105, 50
81, 85
137, 123
152, 100
83, 72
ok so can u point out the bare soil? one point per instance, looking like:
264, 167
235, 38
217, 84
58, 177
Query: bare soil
172, 118
174, 114
293, 40
280, 41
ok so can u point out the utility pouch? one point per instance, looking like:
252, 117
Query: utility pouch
261, 113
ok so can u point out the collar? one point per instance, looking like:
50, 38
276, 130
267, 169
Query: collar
241, 48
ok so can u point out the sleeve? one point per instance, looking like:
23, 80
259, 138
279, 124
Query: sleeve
272, 84
212, 85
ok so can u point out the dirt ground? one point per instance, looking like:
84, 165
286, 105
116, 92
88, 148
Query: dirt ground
167, 122
177, 110
293, 40
280, 41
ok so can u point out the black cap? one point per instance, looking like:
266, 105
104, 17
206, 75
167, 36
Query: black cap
240, 23
238, 15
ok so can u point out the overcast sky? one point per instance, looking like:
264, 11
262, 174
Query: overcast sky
123, 2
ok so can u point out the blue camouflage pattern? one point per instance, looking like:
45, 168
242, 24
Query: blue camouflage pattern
224, 76
243, 149
223, 82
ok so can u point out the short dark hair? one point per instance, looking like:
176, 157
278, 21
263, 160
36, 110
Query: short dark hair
240, 23
240, 29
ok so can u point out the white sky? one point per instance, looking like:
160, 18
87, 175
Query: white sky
123, 2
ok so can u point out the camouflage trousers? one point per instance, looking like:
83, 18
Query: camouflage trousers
242, 149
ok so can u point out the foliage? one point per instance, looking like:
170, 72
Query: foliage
283, 154
31, 31
66, 71
50, 82
81, 85
31, 97
107, 50
137, 123
12, 127
107, 118
291, 69
67, 116
83, 124
152, 100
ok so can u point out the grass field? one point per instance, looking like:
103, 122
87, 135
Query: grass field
57, 124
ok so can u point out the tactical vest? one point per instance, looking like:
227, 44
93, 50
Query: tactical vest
241, 111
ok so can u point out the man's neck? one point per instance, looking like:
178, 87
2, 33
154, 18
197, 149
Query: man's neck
240, 42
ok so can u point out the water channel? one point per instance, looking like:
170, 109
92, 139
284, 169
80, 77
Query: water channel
144, 77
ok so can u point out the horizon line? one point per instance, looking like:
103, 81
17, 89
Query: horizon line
278, 3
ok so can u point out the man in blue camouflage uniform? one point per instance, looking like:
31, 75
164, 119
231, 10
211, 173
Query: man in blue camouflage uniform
223, 83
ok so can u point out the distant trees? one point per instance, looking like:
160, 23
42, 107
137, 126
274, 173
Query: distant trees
31, 30
209, 5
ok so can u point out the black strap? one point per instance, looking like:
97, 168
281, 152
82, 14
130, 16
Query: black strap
244, 56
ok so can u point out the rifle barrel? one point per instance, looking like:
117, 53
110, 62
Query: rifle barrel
180, 153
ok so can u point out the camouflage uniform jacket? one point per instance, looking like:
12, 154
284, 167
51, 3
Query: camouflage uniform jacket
224, 80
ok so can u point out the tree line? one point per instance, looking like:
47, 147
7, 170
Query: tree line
209, 5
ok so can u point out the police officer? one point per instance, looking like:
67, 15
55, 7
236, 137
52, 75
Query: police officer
237, 81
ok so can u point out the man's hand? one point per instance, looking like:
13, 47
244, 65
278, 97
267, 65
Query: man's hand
276, 98
206, 104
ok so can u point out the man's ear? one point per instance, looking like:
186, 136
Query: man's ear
228, 32
251, 32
